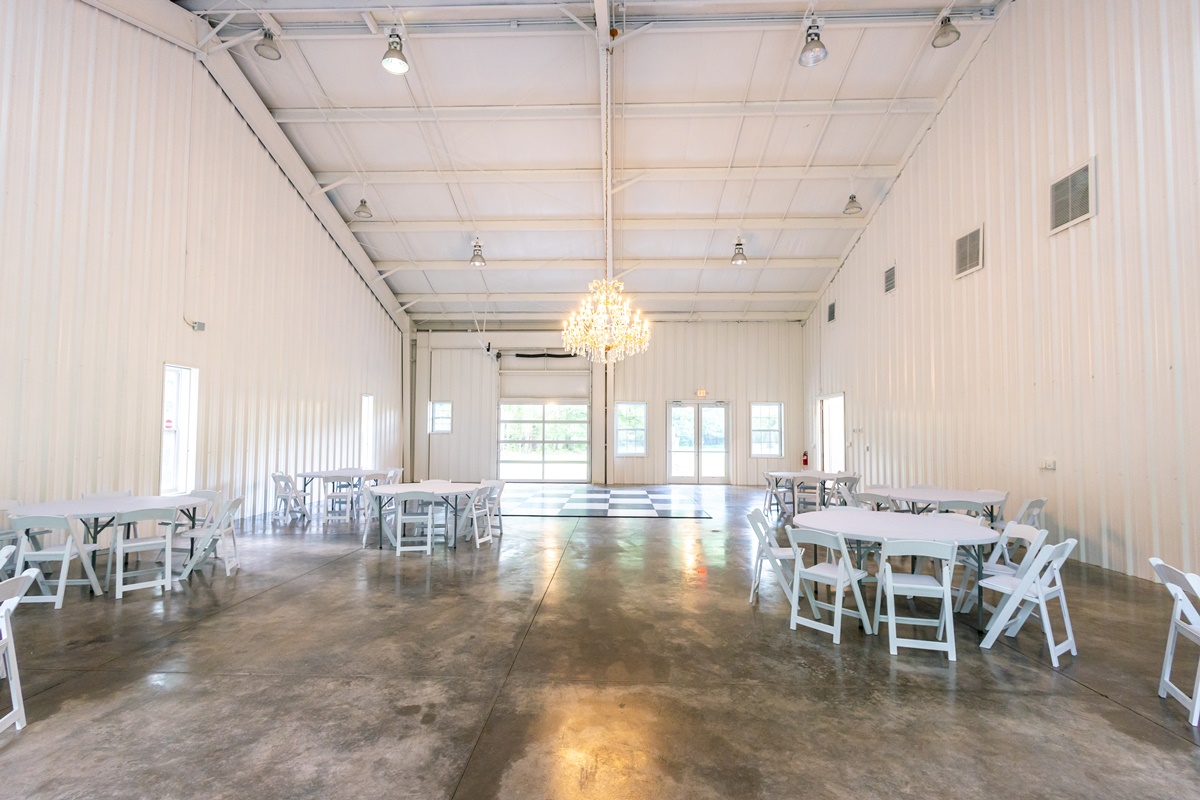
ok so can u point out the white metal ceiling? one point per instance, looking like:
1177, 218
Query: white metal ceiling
495, 132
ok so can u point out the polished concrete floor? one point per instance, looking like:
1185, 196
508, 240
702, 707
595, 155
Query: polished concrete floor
574, 658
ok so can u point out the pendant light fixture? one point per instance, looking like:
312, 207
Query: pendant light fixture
814, 51
946, 35
739, 255
363, 211
393, 60
266, 47
477, 259
852, 206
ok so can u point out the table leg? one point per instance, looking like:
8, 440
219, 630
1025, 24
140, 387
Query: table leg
979, 582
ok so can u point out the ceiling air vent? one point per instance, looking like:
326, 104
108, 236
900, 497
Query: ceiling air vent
1071, 199
968, 253
889, 280
831, 312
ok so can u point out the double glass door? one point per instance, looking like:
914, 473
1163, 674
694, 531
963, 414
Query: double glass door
697, 443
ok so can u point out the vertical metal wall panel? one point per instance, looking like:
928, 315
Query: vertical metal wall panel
739, 363
132, 194
469, 380
1075, 347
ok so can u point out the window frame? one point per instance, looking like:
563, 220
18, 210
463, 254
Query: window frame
617, 429
434, 416
778, 406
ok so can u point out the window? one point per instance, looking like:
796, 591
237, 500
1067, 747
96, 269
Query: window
766, 430
543, 441
178, 472
367, 440
439, 417
631, 429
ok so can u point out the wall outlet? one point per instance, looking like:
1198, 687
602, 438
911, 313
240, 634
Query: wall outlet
1048, 463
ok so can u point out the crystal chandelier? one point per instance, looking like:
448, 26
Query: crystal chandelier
604, 328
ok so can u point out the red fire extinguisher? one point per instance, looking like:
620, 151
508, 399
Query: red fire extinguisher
805, 463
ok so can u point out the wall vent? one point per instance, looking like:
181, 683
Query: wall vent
831, 312
889, 280
1071, 199
968, 253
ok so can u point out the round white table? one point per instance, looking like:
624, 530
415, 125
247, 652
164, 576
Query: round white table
882, 526
449, 491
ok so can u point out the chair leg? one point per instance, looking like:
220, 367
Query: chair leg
59, 595
880, 588
862, 606
1062, 602
891, 606
1164, 677
1044, 613
1194, 709
14, 685
757, 575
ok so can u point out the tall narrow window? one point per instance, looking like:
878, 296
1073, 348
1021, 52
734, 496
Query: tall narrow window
439, 417
178, 472
631, 429
367, 436
766, 430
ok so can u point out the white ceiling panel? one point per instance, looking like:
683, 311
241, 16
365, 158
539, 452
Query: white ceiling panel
521, 144
496, 130
522, 199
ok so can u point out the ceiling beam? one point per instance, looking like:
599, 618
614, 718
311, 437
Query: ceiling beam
597, 264
596, 224
653, 316
572, 298
429, 177
589, 111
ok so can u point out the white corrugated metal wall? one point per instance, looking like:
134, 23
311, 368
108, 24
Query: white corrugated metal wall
133, 195
1072, 348
738, 362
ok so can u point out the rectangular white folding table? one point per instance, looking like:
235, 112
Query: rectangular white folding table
449, 491
880, 526
101, 511
808, 477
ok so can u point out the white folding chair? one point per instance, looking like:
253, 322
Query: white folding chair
1029, 514
1185, 619
1030, 591
1002, 561
288, 499
8, 536
421, 516
495, 516
129, 540
11, 593
918, 584
61, 554
394, 475
338, 493
874, 502
767, 549
835, 570
844, 480
205, 541
477, 510
968, 507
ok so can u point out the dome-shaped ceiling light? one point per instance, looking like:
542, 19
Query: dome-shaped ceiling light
814, 51
393, 60
852, 206
266, 47
739, 255
946, 35
477, 259
363, 211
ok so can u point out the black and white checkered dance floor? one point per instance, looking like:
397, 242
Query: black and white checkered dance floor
581, 500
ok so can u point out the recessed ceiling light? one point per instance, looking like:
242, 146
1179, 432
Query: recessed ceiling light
266, 47
393, 60
946, 35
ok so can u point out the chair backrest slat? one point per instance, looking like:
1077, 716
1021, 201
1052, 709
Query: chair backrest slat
943, 551
54, 523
